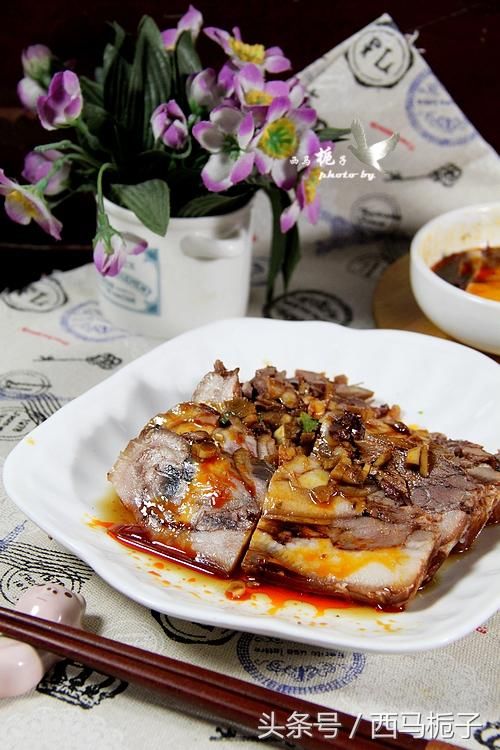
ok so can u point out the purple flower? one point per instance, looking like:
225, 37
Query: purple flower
191, 21
296, 92
29, 92
63, 103
256, 95
271, 59
208, 90
110, 253
285, 133
227, 137
36, 60
22, 204
37, 166
306, 200
169, 124
226, 77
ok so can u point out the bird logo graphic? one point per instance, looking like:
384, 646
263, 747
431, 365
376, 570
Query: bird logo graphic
371, 155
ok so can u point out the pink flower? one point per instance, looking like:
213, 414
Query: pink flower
227, 137
286, 133
38, 164
29, 92
191, 21
296, 92
110, 253
306, 200
23, 203
36, 60
63, 103
226, 77
256, 95
271, 59
207, 90
169, 124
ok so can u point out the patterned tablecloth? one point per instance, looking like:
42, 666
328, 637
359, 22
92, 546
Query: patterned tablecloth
56, 345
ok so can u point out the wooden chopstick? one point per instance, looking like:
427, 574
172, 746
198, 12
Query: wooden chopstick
195, 690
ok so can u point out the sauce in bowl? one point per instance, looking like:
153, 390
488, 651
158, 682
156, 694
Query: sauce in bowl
475, 271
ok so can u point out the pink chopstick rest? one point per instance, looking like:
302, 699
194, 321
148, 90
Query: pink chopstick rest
22, 666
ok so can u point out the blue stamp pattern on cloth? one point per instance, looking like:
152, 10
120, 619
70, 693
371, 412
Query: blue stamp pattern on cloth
489, 735
295, 668
184, 631
13, 534
85, 321
434, 114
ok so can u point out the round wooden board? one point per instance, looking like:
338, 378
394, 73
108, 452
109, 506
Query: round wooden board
394, 305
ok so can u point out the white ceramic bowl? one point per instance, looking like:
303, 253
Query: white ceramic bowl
471, 319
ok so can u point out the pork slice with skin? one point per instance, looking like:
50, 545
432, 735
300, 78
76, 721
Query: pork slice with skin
479, 464
191, 416
218, 386
456, 484
361, 559
190, 494
460, 491
319, 535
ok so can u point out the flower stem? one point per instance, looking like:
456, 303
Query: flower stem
100, 198
41, 185
84, 130
58, 145
184, 154
73, 152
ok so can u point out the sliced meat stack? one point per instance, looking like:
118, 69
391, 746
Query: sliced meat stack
199, 496
359, 505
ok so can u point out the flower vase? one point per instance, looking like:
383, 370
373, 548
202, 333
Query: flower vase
197, 273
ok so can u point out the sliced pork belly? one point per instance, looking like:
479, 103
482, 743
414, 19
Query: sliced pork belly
362, 559
480, 465
300, 491
457, 493
218, 386
228, 431
452, 482
319, 534
188, 492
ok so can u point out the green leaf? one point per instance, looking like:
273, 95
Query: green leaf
292, 254
150, 80
186, 56
150, 202
111, 49
307, 422
333, 134
95, 117
116, 77
92, 91
279, 201
213, 203
86, 139
285, 247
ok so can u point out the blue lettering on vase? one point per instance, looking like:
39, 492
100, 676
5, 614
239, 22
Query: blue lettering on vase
137, 286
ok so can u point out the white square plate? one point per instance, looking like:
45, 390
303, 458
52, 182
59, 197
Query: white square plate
58, 473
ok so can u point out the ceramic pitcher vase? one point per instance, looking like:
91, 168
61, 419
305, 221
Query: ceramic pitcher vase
197, 273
